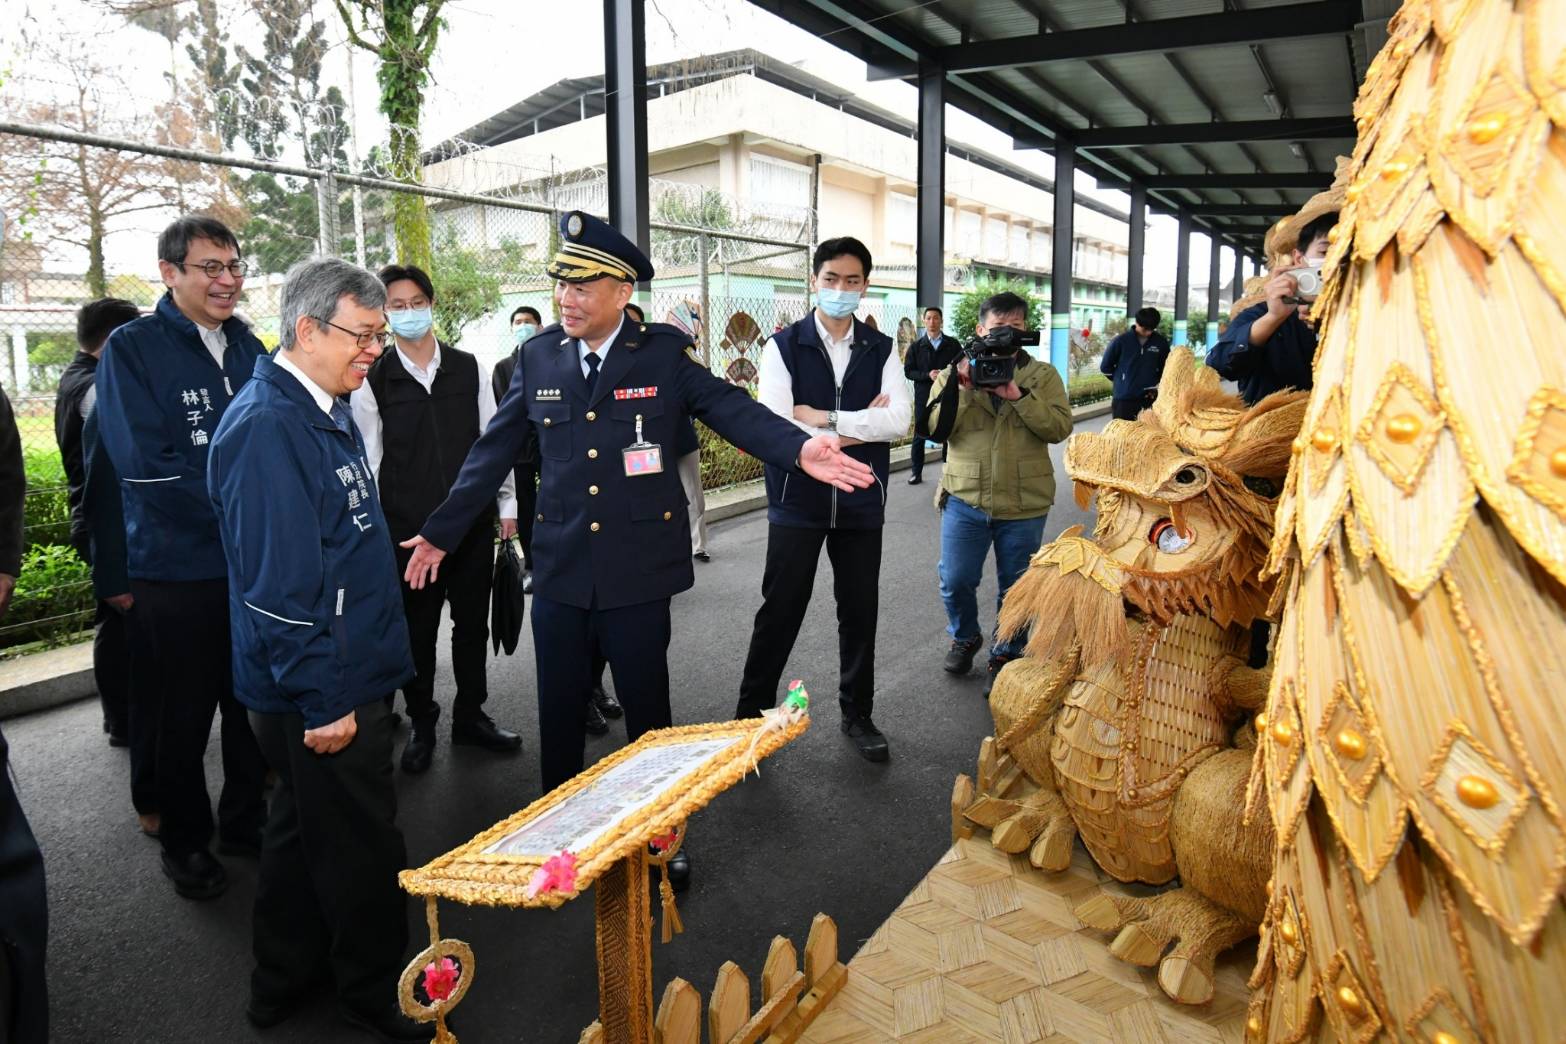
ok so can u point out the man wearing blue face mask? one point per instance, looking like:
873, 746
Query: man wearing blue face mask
525, 322
420, 410
830, 374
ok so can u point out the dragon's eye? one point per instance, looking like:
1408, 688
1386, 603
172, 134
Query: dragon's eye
1167, 537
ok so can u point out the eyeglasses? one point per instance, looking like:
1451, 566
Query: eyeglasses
375, 339
213, 269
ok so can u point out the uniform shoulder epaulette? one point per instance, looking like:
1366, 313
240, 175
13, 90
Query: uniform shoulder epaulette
551, 334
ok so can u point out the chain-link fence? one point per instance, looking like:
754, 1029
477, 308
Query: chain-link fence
729, 275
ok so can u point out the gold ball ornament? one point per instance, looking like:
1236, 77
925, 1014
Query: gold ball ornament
1253, 1026
1558, 463
1395, 168
1485, 129
1404, 428
1349, 1001
1282, 733
1261, 722
1324, 440
1477, 792
1290, 934
1350, 743
1443, 1037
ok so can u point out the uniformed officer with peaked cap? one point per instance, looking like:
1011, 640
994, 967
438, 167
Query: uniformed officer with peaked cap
607, 397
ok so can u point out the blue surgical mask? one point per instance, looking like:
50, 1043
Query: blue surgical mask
523, 331
837, 303
410, 323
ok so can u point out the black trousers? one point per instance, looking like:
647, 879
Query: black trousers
464, 582
1127, 409
327, 899
921, 413
185, 624
527, 507
144, 705
24, 922
790, 575
635, 641
111, 666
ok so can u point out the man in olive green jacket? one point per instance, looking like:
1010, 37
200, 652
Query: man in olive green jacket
997, 485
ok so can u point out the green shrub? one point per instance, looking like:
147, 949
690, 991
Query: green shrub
1092, 387
723, 464
47, 509
53, 602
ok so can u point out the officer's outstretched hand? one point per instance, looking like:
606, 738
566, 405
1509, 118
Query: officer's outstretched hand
424, 566
823, 459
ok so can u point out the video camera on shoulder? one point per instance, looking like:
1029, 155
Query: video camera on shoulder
992, 359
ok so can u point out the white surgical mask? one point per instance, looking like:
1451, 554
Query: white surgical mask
837, 303
522, 331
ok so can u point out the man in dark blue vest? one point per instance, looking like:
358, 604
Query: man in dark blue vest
829, 373
611, 545
421, 409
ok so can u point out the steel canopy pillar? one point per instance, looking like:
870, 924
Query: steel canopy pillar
1060, 269
930, 280
1213, 277
1137, 246
1239, 276
1182, 279
625, 112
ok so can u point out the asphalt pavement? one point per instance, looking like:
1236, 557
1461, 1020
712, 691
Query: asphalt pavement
820, 831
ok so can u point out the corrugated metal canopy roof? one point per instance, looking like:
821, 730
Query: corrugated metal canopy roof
1139, 65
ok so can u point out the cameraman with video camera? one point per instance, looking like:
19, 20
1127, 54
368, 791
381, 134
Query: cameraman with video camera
1270, 346
998, 409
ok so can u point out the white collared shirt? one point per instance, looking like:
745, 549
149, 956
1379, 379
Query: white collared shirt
603, 348
322, 398
367, 415
875, 424
216, 342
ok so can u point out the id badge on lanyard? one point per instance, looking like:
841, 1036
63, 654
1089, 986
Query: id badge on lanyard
642, 458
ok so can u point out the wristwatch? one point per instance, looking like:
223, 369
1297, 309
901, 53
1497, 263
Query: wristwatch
832, 419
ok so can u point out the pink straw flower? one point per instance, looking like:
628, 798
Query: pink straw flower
558, 874
440, 979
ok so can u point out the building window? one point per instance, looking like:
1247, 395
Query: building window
778, 188
968, 231
995, 238
902, 218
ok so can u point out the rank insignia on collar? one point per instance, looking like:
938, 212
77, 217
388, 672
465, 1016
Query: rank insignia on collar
546, 394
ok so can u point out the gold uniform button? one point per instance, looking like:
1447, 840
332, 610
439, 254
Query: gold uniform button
541, 517
594, 527
592, 454
668, 515
591, 415
547, 422
592, 491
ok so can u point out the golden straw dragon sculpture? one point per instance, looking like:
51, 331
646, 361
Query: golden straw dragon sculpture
1411, 759
1125, 710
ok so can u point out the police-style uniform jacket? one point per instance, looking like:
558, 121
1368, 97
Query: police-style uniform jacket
1135, 367
315, 607
161, 396
796, 500
602, 539
1283, 362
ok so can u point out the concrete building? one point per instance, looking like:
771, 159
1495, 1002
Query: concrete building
759, 142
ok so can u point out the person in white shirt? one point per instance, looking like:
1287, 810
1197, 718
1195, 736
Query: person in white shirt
420, 410
830, 374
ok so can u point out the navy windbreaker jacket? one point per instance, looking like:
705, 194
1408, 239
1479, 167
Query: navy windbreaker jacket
1135, 367
160, 398
315, 606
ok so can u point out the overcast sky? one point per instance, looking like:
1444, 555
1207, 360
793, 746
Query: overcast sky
494, 53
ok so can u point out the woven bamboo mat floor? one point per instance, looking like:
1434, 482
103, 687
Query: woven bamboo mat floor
985, 948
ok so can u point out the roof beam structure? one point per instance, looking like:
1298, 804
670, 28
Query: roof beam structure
1242, 209
1316, 127
1235, 182
1292, 21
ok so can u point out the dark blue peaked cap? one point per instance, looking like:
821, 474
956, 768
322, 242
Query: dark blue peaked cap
591, 248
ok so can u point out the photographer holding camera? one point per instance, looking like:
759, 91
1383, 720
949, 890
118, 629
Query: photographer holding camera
1270, 346
998, 410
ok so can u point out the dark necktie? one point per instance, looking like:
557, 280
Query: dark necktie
342, 416
592, 373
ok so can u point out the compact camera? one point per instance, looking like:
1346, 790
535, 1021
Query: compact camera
1307, 285
992, 359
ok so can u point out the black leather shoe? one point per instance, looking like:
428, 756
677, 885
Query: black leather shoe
607, 705
263, 1014
914, 480
702, 556
240, 847
480, 731
388, 1024
596, 724
196, 875
872, 745
416, 756
527, 581
959, 658
996, 663
680, 870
